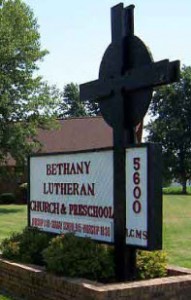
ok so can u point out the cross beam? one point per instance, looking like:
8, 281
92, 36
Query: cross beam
155, 74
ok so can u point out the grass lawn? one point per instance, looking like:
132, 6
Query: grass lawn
13, 218
176, 226
177, 229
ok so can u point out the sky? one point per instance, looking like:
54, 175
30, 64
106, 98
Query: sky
77, 32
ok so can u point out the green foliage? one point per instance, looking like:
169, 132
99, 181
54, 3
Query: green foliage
72, 256
10, 246
26, 102
92, 108
72, 106
151, 264
4, 296
7, 198
175, 190
171, 126
26, 247
32, 244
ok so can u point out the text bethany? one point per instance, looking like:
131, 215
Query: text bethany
67, 168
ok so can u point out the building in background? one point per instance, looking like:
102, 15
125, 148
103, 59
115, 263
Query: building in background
73, 134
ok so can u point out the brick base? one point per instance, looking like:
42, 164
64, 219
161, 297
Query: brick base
34, 283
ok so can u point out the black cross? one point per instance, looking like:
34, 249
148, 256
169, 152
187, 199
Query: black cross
123, 83
152, 75
135, 78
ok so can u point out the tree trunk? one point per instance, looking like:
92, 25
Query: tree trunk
184, 190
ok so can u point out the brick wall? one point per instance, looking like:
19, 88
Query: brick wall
34, 283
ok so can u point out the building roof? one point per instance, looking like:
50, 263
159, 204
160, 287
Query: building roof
76, 134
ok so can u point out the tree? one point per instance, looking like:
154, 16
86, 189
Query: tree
171, 126
26, 102
72, 106
92, 108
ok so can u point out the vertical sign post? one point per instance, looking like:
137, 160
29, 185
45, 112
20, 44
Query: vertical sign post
124, 89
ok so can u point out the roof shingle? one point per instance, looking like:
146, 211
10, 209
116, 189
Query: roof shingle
77, 134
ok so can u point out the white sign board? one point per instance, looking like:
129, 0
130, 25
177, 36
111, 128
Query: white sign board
137, 197
73, 193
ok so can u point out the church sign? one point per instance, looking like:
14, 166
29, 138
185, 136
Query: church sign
112, 196
73, 192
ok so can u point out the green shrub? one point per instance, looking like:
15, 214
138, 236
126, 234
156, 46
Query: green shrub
72, 256
32, 244
10, 247
7, 198
26, 247
151, 264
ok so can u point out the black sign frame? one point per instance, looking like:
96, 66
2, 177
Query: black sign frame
154, 196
